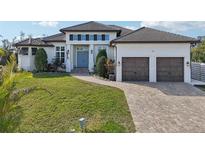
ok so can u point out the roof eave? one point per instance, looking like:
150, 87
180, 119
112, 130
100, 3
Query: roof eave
54, 40
62, 30
27, 45
197, 41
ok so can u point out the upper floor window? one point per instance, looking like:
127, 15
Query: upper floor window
103, 37
71, 37
79, 37
95, 37
89, 37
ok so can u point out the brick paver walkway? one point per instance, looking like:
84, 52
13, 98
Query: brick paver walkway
162, 107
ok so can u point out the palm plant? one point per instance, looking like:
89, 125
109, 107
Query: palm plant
9, 96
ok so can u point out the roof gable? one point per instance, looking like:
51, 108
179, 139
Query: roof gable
150, 35
91, 27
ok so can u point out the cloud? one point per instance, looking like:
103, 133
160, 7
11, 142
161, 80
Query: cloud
174, 26
131, 27
46, 23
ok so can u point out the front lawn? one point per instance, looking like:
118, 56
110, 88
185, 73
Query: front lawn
105, 108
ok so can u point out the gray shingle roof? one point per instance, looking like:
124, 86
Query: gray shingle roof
91, 26
149, 35
122, 29
60, 37
34, 42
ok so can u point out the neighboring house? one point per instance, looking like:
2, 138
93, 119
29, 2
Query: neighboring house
145, 54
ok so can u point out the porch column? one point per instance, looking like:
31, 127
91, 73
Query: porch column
29, 58
68, 53
91, 59
71, 56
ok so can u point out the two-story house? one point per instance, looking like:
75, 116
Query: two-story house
145, 54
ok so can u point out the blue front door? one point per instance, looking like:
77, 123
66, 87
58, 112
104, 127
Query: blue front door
82, 59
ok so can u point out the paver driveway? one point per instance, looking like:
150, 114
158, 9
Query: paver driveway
162, 107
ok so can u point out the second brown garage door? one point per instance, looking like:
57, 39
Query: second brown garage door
135, 69
170, 69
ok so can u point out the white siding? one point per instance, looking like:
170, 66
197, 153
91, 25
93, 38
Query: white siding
26, 62
93, 46
152, 51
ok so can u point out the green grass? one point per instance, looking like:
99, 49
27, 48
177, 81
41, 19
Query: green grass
105, 108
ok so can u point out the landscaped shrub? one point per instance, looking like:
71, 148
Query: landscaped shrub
101, 53
101, 68
41, 60
198, 53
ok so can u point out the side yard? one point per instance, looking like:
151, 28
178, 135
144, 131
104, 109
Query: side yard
105, 108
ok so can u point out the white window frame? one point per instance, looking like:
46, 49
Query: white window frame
60, 51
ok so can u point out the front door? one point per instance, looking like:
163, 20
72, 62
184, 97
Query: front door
82, 59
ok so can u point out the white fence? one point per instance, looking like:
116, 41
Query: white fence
198, 71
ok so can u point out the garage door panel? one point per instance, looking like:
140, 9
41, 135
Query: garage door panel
135, 69
170, 69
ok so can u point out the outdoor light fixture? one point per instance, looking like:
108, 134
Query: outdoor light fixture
82, 123
187, 63
118, 62
91, 51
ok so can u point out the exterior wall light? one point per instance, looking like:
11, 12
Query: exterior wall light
91, 51
118, 62
187, 63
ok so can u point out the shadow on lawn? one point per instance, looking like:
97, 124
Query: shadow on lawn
11, 122
50, 75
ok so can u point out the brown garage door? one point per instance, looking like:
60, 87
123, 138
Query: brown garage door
135, 69
170, 69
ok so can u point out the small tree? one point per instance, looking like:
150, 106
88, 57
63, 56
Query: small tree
101, 53
41, 60
100, 67
198, 53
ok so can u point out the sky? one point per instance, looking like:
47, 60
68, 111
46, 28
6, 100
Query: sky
11, 29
